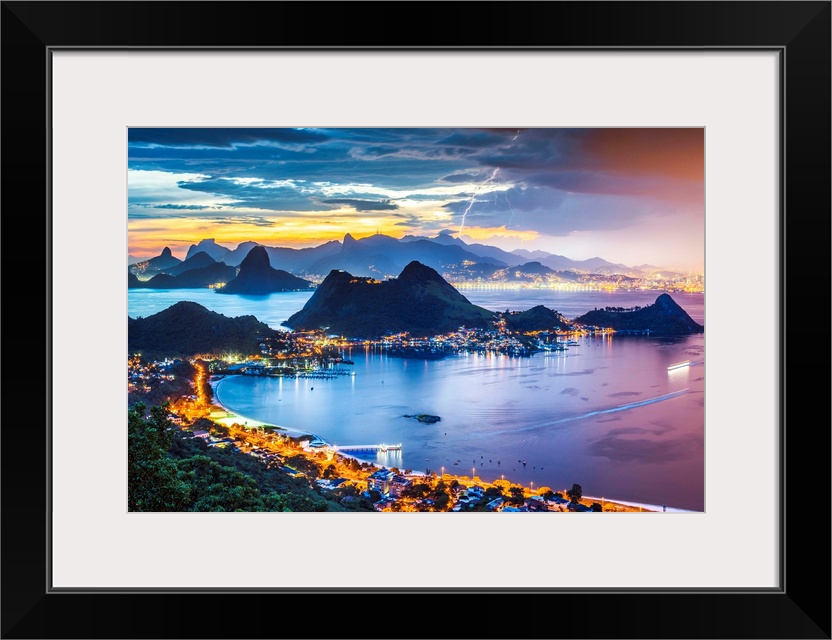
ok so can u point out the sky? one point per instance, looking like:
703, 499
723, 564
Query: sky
630, 196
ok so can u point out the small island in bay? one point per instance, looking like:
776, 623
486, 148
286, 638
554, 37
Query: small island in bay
662, 318
424, 417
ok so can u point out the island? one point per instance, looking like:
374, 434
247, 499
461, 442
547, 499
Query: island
419, 301
662, 318
425, 417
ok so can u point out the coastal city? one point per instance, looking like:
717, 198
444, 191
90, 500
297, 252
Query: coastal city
415, 319
195, 415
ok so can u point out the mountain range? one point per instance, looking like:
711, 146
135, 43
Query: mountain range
422, 303
419, 301
380, 256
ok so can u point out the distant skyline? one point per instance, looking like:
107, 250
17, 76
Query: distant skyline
630, 196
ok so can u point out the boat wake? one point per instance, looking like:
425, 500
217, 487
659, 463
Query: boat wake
590, 414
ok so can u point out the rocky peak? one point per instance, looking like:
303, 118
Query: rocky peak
257, 258
418, 272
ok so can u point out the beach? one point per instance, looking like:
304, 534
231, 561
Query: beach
225, 416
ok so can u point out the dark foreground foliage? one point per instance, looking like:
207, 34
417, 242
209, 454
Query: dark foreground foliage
169, 472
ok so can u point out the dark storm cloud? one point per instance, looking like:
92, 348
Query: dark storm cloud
363, 205
141, 215
550, 211
175, 207
473, 138
252, 220
288, 197
464, 177
427, 197
556, 181
508, 200
222, 138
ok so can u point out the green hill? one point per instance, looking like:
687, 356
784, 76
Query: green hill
419, 301
662, 318
187, 328
537, 318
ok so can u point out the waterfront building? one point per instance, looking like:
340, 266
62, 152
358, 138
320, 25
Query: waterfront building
380, 481
398, 484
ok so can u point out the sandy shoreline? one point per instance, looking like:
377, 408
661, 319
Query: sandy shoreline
643, 505
231, 417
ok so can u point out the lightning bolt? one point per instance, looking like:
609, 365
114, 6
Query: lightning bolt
505, 193
488, 180
474, 198
511, 219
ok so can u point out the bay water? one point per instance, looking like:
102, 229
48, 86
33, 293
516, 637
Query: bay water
606, 414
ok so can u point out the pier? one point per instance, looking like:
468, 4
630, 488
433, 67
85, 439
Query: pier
324, 374
384, 448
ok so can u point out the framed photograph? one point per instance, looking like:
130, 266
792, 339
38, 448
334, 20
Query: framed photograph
415, 271
391, 277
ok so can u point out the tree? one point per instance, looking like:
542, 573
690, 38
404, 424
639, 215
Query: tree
218, 430
419, 490
516, 494
575, 493
596, 507
153, 480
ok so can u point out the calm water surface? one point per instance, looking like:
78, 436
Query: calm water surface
606, 414
274, 308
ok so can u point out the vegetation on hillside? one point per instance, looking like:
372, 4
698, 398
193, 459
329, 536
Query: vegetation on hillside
187, 328
169, 472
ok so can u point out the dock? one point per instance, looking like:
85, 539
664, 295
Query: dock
384, 448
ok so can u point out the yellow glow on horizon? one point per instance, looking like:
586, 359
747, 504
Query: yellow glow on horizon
148, 236
488, 233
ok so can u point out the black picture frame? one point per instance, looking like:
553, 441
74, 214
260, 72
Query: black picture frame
799, 31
